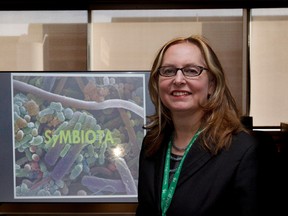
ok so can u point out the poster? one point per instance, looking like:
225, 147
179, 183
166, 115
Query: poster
77, 135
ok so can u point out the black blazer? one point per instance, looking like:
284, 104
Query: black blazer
225, 184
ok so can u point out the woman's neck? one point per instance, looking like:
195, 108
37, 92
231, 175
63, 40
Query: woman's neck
185, 123
184, 130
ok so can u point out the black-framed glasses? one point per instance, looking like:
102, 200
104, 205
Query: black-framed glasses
188, 71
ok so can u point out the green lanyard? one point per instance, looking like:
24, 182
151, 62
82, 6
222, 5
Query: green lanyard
168, 191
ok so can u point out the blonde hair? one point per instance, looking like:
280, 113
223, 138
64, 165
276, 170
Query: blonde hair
221, 117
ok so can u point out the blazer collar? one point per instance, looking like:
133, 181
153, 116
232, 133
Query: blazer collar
195, 159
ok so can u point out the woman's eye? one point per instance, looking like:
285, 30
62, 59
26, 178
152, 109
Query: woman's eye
169, 71
191, 71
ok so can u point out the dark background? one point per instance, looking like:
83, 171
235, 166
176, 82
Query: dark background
134, 4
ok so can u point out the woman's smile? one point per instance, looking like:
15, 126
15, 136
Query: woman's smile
180, 93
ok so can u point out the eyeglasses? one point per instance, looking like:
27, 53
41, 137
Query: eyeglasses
188, 71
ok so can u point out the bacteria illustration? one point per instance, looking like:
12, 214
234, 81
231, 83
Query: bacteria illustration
77, 136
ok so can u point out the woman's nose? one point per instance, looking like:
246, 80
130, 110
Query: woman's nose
179, 77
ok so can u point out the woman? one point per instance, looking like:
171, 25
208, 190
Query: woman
196, 158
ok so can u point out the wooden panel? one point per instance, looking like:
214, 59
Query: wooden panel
120, 209
65, 47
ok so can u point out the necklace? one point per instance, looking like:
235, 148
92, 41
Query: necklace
178, 148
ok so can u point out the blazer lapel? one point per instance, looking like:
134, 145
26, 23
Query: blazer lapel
195, 159
159, 170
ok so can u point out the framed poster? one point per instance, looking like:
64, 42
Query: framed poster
73, 136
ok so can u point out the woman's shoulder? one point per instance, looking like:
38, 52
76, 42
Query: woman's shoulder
244, 135
243, 140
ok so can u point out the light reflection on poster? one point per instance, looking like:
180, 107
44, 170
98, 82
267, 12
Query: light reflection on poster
77, 135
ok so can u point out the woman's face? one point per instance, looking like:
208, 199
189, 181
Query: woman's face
179, 93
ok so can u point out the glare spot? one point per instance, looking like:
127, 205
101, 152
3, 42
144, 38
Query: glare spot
118, 151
